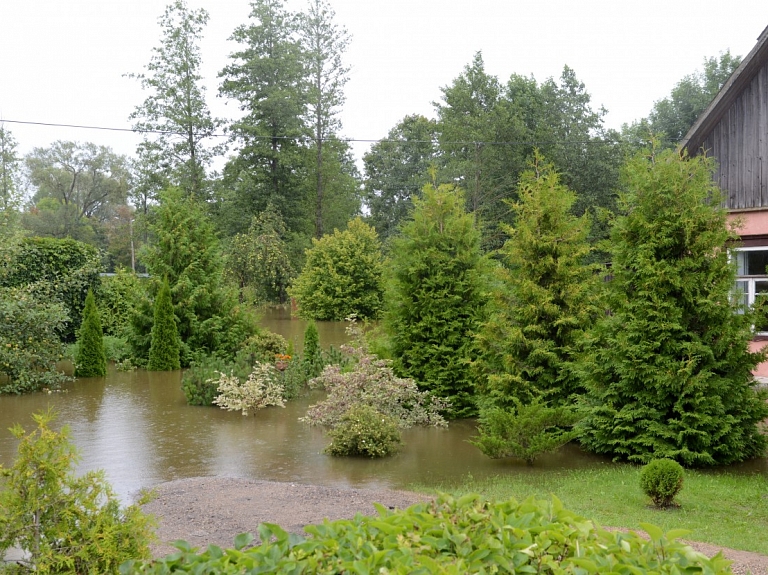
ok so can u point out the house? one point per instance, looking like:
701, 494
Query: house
734, 130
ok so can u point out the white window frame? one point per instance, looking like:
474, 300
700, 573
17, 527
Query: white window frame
751, 279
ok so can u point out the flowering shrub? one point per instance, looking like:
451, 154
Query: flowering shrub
364, 431
371, 381
261, 389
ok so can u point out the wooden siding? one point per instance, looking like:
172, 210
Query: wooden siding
738, 143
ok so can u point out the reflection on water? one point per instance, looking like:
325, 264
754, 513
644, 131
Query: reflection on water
139, 429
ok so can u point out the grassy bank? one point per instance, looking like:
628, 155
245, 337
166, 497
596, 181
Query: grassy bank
718, 508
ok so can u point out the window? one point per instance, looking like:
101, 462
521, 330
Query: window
751, 276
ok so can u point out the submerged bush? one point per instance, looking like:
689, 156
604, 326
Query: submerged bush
262, 389
91, 359
449, 536
364, 431
662, 480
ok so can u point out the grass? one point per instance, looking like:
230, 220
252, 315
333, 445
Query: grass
719, 508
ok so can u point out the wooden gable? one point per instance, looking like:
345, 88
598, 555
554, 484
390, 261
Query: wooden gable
734, 130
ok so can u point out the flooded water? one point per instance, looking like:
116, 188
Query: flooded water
139, 429
279, 320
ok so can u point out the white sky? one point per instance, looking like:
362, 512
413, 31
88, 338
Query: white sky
63, 61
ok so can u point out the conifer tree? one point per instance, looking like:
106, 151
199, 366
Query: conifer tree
91, 359
164, 350
313, 359
436, 296
544, 299
670, 372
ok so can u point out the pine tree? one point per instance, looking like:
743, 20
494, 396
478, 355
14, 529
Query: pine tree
545, 297
164, 351
436, 297
91, 359
670, 372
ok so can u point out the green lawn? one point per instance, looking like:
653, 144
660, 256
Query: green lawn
717, 507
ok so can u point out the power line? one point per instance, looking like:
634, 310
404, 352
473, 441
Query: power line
592, 141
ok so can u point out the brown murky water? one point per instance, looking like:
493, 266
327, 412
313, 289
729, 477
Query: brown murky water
139, 429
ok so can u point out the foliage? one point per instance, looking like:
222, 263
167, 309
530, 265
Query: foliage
673, 116
435, 297
450, 536
91, 358
544, 300
364, 431
525, 431
118, 295
65, 523
164, 350
260, 260
117, 349
371, 381
669, 372
342, 275
262, 388
312, 352
56, 270
199, 382
77, 188
175, 112
185, 250
10, 172
29, 341
262, 346
662, 480
396, 169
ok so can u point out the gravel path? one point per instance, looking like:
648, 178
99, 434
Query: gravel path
205, 510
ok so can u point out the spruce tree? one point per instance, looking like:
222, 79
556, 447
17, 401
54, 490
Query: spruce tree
670, 372
544, 299
436, 296
164, 350
91, 359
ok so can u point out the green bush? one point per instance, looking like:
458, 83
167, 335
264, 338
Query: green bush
342, 275
662, 480
117, 348
313, 354
118, 295
364, 431
262, 346
65, 523
164, 350
91, 359
525, 431
449, 536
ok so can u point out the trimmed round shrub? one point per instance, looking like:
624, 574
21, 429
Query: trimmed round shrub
662, 480
364, 431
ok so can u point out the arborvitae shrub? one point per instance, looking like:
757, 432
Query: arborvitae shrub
164, 350
313, 357
364, 431
91, 359
662, 480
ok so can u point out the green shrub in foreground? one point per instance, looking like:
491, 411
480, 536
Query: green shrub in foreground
451, 536
65, 524
364, 431
662, 480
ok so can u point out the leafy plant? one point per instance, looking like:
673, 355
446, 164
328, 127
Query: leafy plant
91, 358
262, 388
29, 341
312, 354
342, 275
364, 431
449, 536
117, 296
662, 480
164, 350
65, 523
525, 431
370, 381
116, 348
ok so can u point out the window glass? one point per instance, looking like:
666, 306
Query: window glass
757, 262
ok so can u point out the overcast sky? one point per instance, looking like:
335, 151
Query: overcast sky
63, 61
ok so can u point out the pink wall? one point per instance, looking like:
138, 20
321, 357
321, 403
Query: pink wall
752, 223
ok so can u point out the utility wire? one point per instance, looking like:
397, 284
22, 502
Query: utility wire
360, 140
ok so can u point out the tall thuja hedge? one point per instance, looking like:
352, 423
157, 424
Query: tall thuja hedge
669, 374
184, 249
436, 295
164, 349
54, 269
91, 359
544, 299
